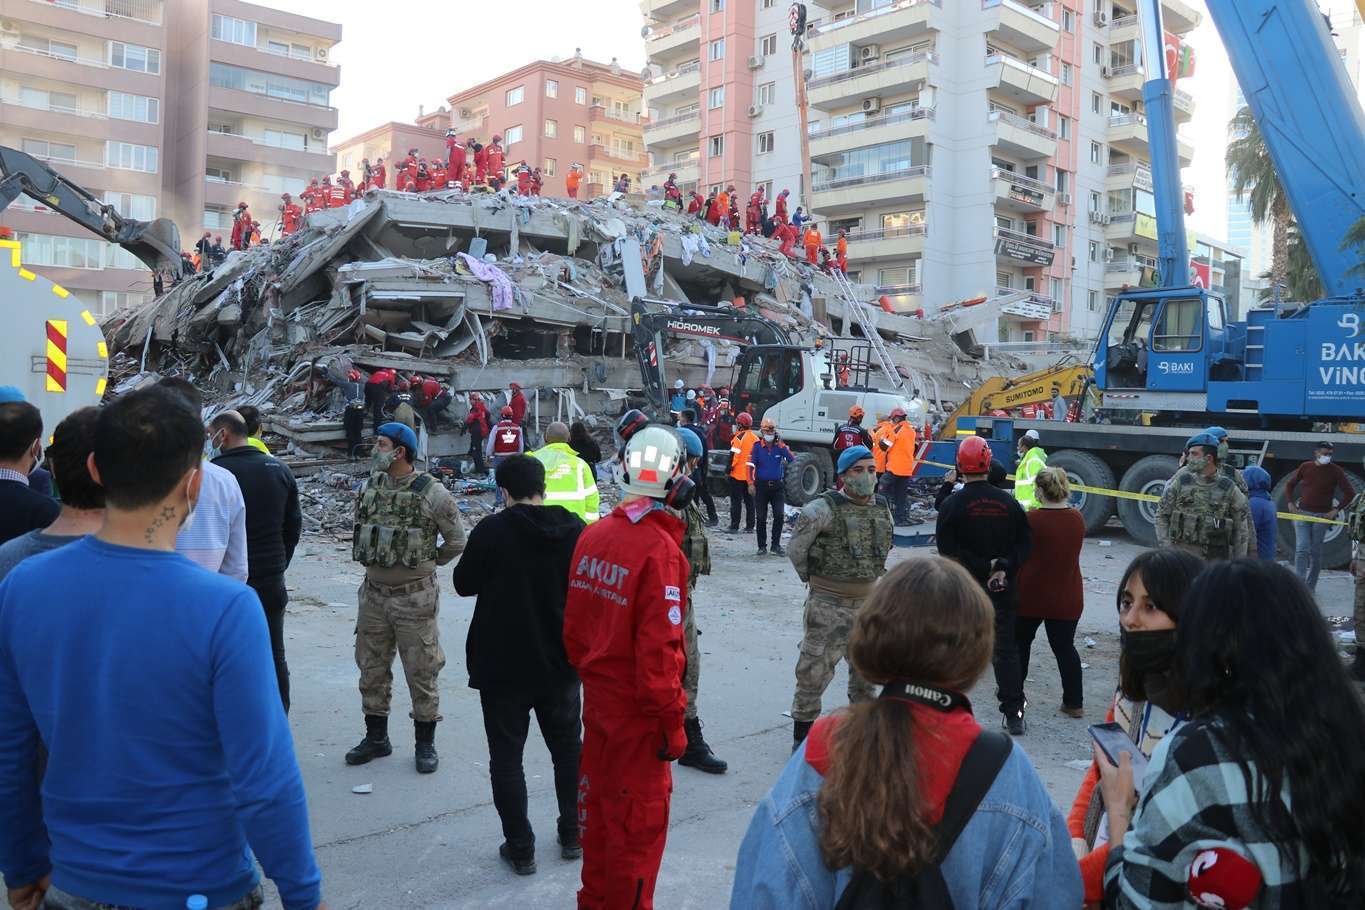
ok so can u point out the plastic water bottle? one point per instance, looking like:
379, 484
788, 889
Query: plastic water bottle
197, 902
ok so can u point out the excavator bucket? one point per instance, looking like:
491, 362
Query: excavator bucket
156, 243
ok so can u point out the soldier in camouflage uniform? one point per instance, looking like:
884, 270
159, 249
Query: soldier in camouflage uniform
839, 547
1202, 510
399, 515
1355, 525
698, 553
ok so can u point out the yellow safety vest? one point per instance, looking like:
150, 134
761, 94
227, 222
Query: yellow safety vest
568, 481
1024, 476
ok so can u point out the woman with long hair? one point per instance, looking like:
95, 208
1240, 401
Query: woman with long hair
1145, 707
1051, 594
1257, 800
581, 441
864, 805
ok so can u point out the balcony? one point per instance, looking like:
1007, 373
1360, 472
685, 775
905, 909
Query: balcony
1128, 134
1124, 29
888, 243
1127, 271
687, 171
680, 39
885, 77
1016, 80
685, 81
1033, 308
1021, 137
1183, 103
270, 107
1019, 26
1126, 81
1018, 193
119, 19
902, 298
615, 159
86, 71
1129, 175
871, 131
262, 60
672, 130
1179, 17
81, 122
1131, 227
1018, 248
890, 24
662, 10
237, 147
841, 194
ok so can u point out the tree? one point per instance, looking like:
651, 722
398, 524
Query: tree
1252, 173
1302, 283
1355, 240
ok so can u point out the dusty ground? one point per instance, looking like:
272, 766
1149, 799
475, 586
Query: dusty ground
431, 841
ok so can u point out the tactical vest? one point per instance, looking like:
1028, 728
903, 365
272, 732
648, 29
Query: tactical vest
506, 438
695, 546
392, 528
1201, 514
1355, 518
855, 545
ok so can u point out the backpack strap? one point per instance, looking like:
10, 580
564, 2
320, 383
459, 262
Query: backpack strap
420, 483
979, 769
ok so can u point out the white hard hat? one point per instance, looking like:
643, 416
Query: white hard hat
678, 384
1032, 434
691, 394
654, 456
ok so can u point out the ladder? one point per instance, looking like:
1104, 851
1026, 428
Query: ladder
867, 321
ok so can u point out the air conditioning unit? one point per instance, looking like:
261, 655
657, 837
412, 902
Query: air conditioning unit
755, 62
1109, 254
755, 110
1101, 19
1063, 198
869, 52
1105, 71
321, 53
319, 133
1133, 249
871, 105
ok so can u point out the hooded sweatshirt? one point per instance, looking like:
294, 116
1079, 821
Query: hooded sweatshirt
1262, 510
516, 638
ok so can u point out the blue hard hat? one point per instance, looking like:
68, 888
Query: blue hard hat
692, 441
1202, 438
1217, 433
401, 434
851, 456
10, 393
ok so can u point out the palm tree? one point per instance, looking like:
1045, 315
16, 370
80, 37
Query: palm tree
1355, 240
1253, 175
1302, 283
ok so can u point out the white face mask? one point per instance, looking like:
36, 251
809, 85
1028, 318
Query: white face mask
1324, 459
194, 504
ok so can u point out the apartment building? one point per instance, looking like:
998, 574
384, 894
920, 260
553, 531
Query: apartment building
177, 109
554, 113
391, 141
721, 95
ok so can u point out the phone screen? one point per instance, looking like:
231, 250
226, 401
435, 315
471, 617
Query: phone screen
1112, 740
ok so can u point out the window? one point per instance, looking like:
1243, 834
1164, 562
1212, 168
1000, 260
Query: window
48, 150
1068, 20
122, 106
67, 252
580, 135
1096, 102
580, 95
551, 129
1066, 74
871, 161
119, 300
1096, 203
1063, 126
283, 139
130, 157
718, 49
1092, 301
1055, 289
1096, 153
278, 183
550, 168
717, 5
511, 135
551, 88
218, 175
765, 142
1098, 51
134, 57
1180, 327
216, 219
1063, 181
625, 147
767, 93
717, 97
1059, 235
1094, 251
45, 100
715, 147
59, 49
132, 205
768, 46
516, 95
273, 85
234, 31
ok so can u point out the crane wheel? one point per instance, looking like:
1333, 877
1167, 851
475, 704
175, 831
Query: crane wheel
1087, 470
1148, 475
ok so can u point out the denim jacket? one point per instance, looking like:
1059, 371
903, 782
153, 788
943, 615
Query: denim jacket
1014, 853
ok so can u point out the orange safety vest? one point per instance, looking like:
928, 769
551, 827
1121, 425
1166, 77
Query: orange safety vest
741, 448
878, 453
900, 458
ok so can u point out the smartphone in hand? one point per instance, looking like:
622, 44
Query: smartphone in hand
1112, 740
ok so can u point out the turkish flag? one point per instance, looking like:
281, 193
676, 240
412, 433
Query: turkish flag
1199, 274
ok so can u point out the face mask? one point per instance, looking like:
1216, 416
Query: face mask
769, 437
213, 447
860, 485
1222, 451
1150, 654
189, 514
382, 461
1324, 459
1197, 463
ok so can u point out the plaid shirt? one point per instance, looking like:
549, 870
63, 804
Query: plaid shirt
1195, 799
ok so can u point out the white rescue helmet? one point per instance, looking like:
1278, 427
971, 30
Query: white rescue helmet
655, 457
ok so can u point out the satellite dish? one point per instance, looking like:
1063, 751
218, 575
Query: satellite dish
645, 31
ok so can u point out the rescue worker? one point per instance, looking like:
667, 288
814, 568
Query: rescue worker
741, 447
290, 216
568, 479
984, 528
879, 431
672, 194
768, 460
493, 155
377, 390
851, 432
400, 514
477, 423
348, 185
378, 175
440, 177
713, 208
1032, 459
811, 240
505, 440
696, 204
698, 552
1202, 510
537, 181
841, 251
838, 547
1355, 526
623, 633
517, 402
241, 227
780, 207
312, 197
573, 179
455, 155
898, 442
786, 233
337, 194
422, 180
480, 162
325, 192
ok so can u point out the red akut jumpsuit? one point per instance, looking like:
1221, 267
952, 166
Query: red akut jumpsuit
455, 157
481, 165
291, 216
623, 633
495, 160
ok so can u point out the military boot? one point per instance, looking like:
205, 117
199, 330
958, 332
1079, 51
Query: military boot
698, 754
375, 744
799, 730
426, 757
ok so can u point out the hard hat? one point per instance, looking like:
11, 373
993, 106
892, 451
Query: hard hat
691, 394
897, 412
856, 412
631, 422
678, 384
475, 396
745, 419
506, 411
284, 196
1202, 438
496, 138
653, 458
403, 384
973, 456
450, 133
672, 176
692, 441
1032, 435
400, 434
345, 173
851, 456
516, 387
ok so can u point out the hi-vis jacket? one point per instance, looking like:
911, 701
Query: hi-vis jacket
568, 481
1024, 476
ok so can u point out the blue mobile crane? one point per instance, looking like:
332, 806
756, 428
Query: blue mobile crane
1168, 360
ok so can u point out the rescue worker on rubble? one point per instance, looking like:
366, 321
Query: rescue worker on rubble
573, 179
312, 197
477, 423
698, 552
811, 240
480, 156
337, 195
378, 174
741, 447
241, 227
780, 207
493, 155
290, 215
898, 442
786, 234
377, 390
423, 178
455, 156
841, 251
537, 181
568, 479
440, 177
325, 192
523, 179
505, 440
348, 185
838, 547
623, 633
517, 402
696, 205
712, 207
406, 524
1202, 511
851, 432
672, 194
1032, 460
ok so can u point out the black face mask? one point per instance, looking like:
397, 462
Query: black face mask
1151, 655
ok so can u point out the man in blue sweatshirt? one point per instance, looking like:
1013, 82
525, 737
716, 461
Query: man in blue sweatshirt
1262, 510
150, 683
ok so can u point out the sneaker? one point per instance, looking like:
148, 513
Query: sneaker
733, 529
521, 865
778, 551
762, 551
1014, 723
368, 750
570, 848
1073, 711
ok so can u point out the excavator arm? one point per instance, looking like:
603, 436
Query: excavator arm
155, 243
1075, 380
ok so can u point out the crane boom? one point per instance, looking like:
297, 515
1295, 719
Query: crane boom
1173, 252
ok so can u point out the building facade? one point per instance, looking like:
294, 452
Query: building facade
390, 141
164, 109
553, 114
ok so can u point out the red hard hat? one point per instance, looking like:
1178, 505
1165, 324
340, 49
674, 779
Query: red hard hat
856, 412
506, 411
897, 412
514, 386
973, 456
745, 419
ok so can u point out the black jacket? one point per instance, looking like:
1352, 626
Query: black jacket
516, 562
23, 509
273, 519
981, 523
